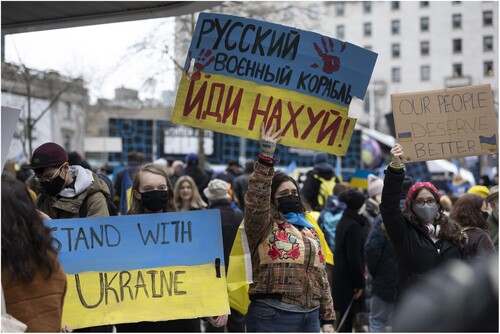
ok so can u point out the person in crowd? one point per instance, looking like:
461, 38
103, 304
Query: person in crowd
320, 181
218, 198
482, 191
382, 264
74, 158
66, 191
484, 180
458, 297
186, 195
134, 162
348, 272
375, 186
290, 290
177, 168
193, 169
232, 170
240, 184
459, 185
471, 213
33, 281
423, 236
492, 220
446, 203
152, 193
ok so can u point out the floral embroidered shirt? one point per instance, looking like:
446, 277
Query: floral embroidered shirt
285, 260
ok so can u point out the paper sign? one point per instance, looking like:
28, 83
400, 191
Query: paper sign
448, 123
242, 72
150, 267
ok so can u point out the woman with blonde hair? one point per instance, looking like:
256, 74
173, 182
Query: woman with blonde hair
186, 195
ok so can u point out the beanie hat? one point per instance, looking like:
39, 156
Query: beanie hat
217, 189
419, 185
482, 191
493, 194
192, 159
47, 155
320, 157
375, 185
353, 199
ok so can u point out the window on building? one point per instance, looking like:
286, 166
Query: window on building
340, 31
367, 29
396, 74
424, 48
339, 8
424, 23
395, 26
457, 45
396, 50
394, 5
488, 68
488, 43
487, 18
457, 70
457, 21
367, 7
66, 140
425, 73
66, 111
424, 4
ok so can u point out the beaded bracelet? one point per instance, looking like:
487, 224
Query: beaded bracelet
400, 166
267, 159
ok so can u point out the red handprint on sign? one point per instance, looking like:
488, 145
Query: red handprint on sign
200, 64
331, 63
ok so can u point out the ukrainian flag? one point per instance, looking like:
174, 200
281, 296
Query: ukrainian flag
359, 178
488, 143
126, 193
404, 136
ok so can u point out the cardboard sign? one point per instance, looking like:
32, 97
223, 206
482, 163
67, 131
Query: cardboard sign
448, 123
150, 267
241, 72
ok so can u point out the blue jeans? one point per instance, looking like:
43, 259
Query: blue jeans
264, 318
380, 314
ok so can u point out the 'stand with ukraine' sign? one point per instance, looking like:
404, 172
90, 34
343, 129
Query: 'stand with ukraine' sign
241, 72
148, 267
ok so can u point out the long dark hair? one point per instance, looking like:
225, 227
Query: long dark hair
450, 230
136, 205
26, 240
278, 179
467, 211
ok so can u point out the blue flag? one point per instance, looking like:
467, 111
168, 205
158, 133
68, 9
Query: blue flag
126, 192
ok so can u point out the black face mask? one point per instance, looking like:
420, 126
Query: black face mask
290, 203
155, 200
54, 186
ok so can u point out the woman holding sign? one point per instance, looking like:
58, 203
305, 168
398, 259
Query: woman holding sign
290, 290
152, 192
423, 236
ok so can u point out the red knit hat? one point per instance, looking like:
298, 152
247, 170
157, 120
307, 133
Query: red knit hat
417, 186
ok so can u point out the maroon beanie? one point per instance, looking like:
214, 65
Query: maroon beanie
47, 155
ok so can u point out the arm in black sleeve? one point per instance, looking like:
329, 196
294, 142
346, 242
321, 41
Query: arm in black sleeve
389, 207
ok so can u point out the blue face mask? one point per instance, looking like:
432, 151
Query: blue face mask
426, 213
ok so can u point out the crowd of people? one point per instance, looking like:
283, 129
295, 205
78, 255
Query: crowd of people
387, 239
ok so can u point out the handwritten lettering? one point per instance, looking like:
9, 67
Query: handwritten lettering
182, 232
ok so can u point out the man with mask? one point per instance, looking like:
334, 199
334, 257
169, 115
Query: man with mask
65, 188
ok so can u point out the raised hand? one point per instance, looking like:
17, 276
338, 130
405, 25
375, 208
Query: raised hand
397, 154
268, 140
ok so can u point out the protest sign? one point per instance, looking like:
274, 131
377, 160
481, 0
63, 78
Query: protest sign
448, 123
241, 72
149, 267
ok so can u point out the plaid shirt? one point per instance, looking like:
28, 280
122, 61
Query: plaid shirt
285, 261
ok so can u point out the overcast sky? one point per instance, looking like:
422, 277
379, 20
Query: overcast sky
101, 54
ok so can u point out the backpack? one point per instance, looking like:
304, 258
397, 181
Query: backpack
325, 189
113, 211
329, 218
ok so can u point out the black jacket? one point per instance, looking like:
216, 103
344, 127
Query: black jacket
416, 253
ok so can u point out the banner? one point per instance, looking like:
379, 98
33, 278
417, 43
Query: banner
444, 124
149, 267
242, 72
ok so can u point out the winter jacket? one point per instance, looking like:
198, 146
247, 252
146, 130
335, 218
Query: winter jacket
67, 203
417, 254
312, 185
479, 243
381, 262
38, 303
348, 272
230, 220
286, 262
240, 186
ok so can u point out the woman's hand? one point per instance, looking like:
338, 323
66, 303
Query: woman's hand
218, 321
327, 328
268, 140
397, 154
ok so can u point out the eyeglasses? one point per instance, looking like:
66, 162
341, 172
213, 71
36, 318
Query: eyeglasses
42, 178
420, 202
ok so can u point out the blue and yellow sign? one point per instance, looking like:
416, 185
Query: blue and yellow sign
241, 72
149, 267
